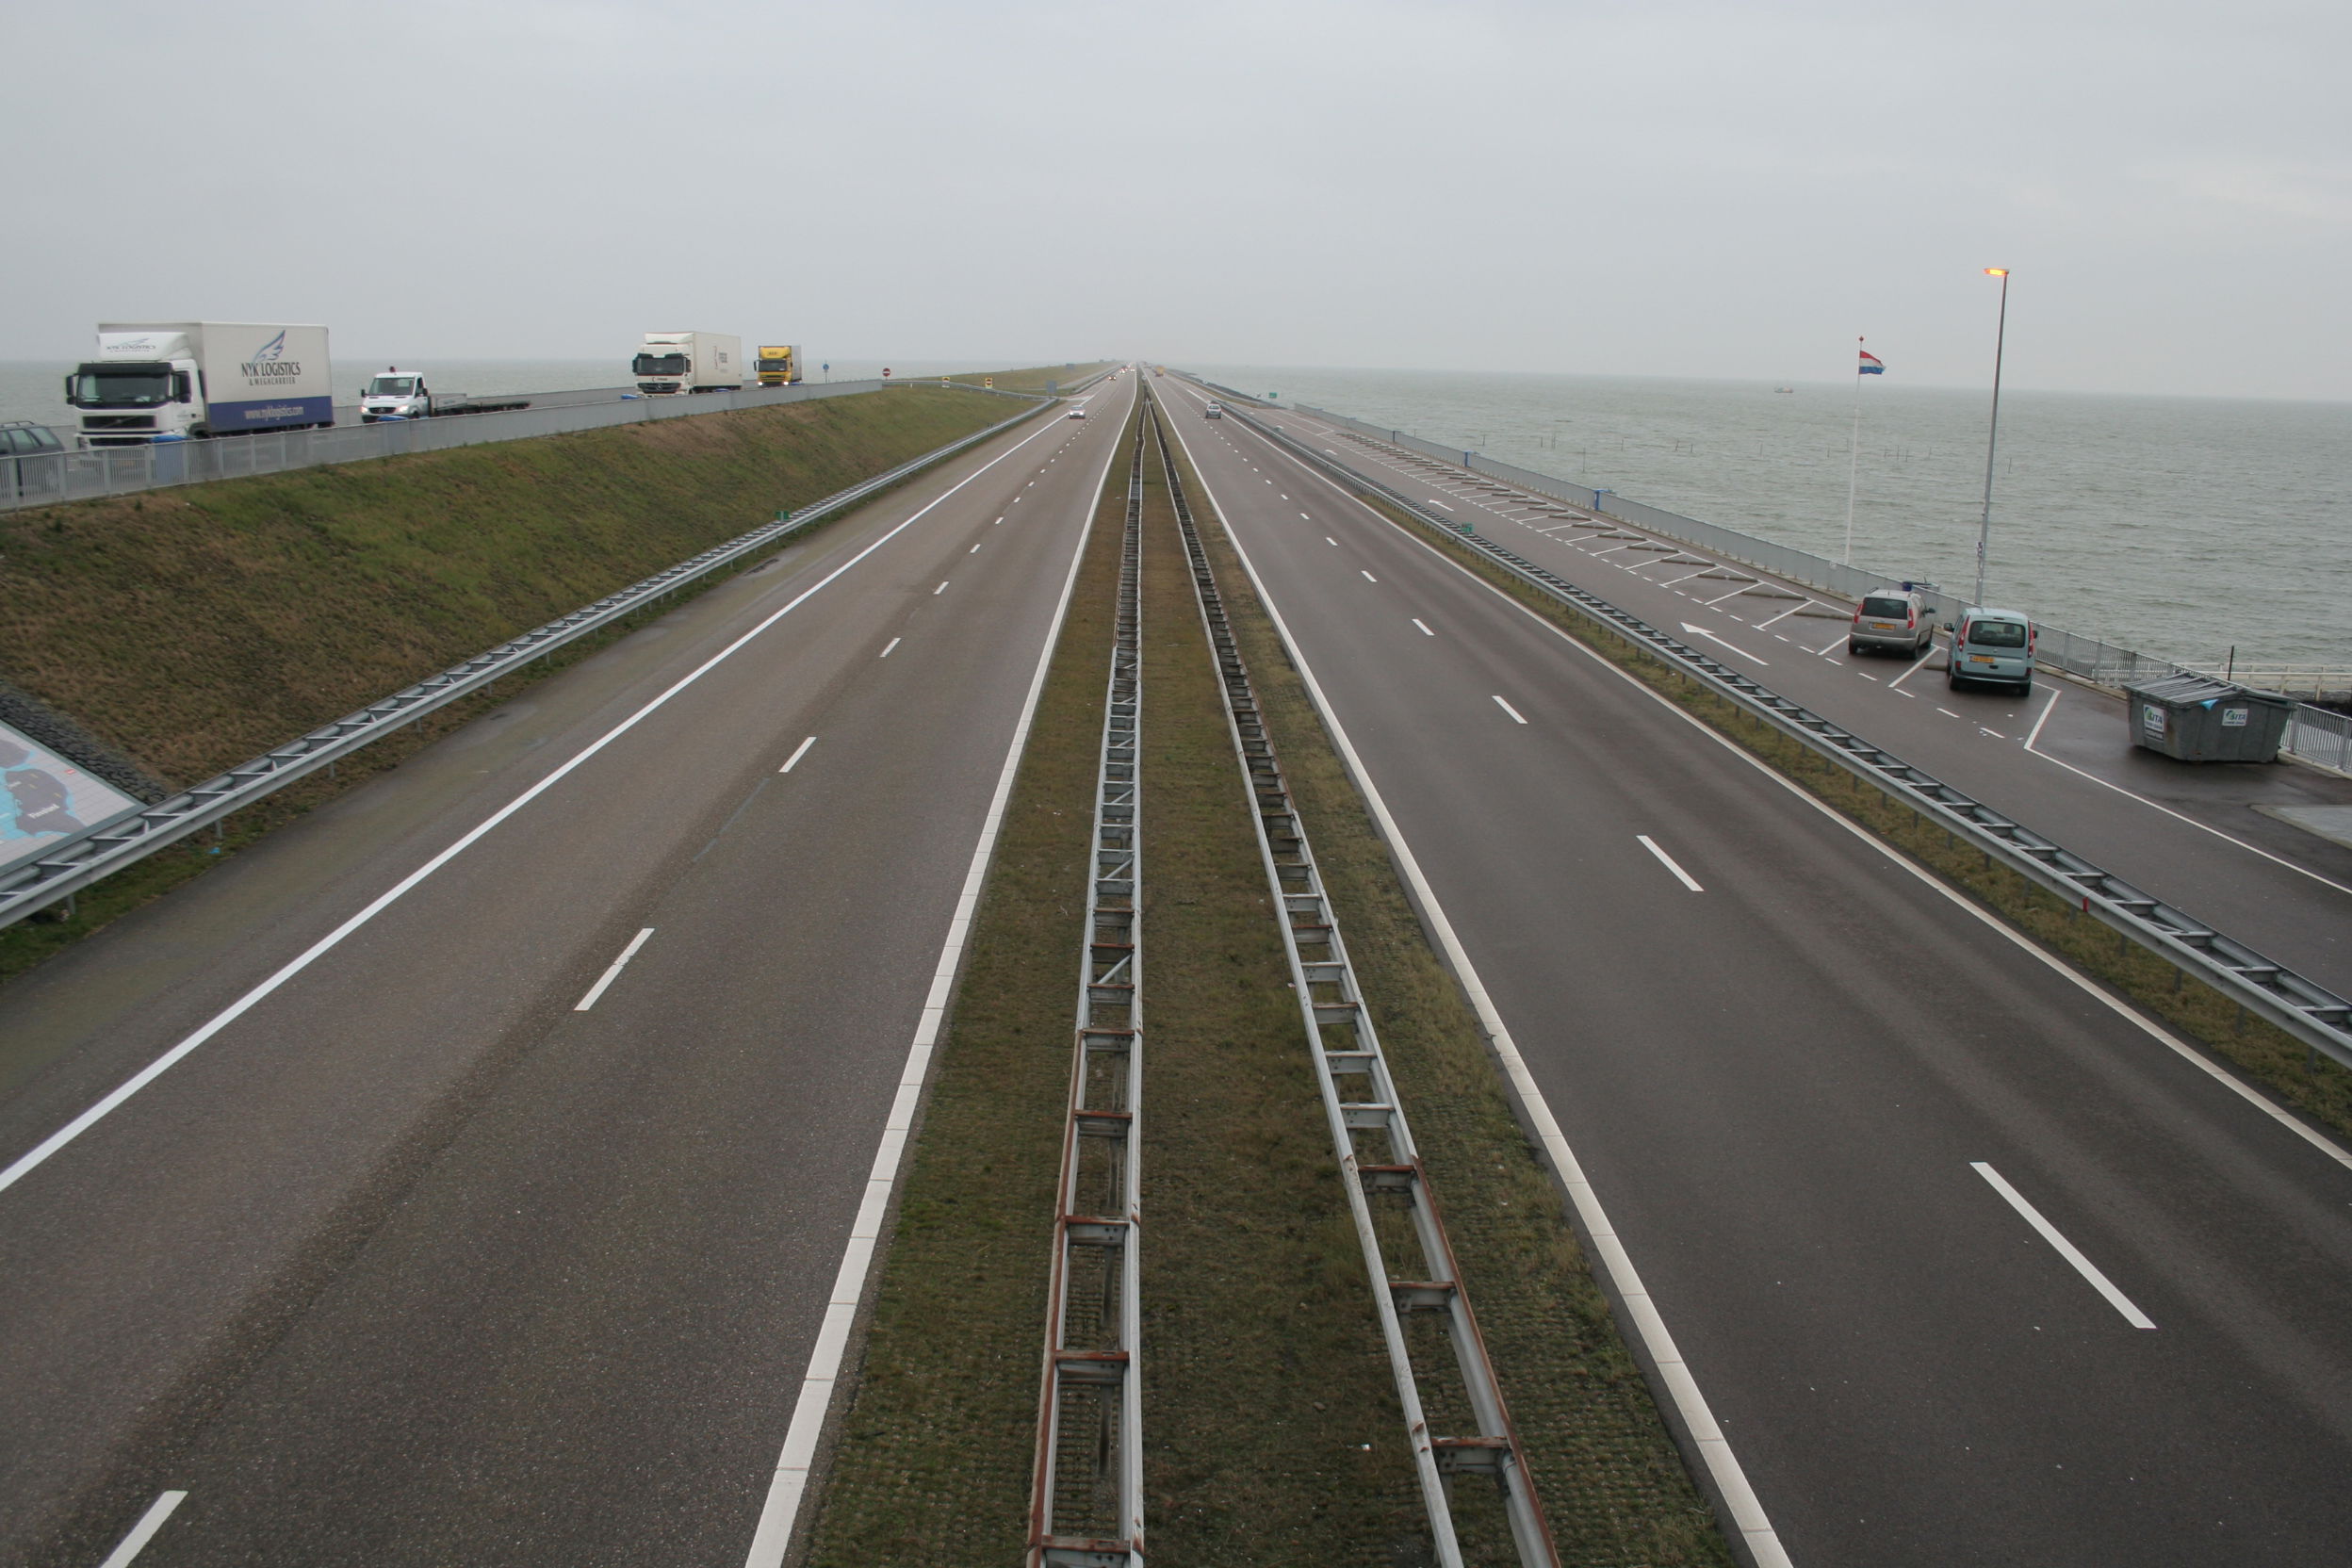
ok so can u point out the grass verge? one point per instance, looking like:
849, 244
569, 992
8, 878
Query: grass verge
2264, 1052
1033, 379
933, 1460
194, 628
1613, 1483
1271, 1430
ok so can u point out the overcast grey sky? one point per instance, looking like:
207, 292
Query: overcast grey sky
1663, 188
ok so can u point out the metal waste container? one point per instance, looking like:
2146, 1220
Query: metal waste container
2199, 719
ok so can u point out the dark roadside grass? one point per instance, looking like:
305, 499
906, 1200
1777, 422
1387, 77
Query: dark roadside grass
1611, 1482
190, 629
1270, 1432
2262, 1052
1034, 378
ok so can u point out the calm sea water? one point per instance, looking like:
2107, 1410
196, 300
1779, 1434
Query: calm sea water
2178, 526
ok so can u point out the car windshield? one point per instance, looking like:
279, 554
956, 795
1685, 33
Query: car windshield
660, 364
142, 388
1875, 606
1997, 634
392, 386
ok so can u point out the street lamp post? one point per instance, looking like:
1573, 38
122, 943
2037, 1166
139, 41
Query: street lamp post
1992, 434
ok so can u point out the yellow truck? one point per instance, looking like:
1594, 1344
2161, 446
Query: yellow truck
779, 364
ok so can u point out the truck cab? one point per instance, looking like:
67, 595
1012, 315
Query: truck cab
130, 403
778, 364
396, 394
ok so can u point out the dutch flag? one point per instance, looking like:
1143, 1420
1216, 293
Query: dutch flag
1872, 365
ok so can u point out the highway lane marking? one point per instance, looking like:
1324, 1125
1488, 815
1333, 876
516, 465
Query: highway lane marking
1914, 669
1641, 1314
789, 1486
1945, 712
1367, 576
1329, 540
1441, 506
894, 643
1304, 518
2066, 1250
802, 750
940, 589
2037, 733
1425, 631
1959, 901
1994, 734
1702, 632
974, 550
622, 962
999, 520
144, 1531
1512, 711
2181, 816
1668, 861
48, 1147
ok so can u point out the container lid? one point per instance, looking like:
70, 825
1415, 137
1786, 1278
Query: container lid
2184, 690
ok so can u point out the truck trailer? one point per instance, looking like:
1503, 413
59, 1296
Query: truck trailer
169, 380
399, 394
671, 362
780, 365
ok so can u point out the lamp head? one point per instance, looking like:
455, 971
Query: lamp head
1996, 271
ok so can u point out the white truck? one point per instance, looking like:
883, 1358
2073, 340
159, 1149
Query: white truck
670, 362
169, 381
399, 394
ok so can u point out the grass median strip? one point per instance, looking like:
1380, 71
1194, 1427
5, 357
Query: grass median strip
2262, 1052
932, 1464
1613, 1483
1271, 1430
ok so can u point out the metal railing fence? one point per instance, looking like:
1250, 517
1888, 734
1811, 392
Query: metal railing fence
1086, 1502
45, 479
1419, 1298
2307, 1010
2100, 662
76, 861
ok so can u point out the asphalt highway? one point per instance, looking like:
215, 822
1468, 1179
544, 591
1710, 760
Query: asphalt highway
467, 1241
2057, 759
1972, 1266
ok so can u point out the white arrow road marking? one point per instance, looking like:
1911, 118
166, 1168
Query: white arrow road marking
1702, 632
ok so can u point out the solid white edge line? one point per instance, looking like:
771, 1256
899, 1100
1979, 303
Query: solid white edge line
2123, 1009
788, 1489
2066, 1250
802, 750
1747, 1513
2159, 806
40, 1154
1517, 716
1668, 861
614, 972
144, 1531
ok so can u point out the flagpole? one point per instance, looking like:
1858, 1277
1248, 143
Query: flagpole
1853, 454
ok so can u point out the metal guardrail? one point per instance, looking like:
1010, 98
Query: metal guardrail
75, 862
1388, 1189
2100, 662
1086, 1504
46, 479
2308, 1011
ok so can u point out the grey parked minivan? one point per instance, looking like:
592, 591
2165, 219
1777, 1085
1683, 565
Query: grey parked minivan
1894, 620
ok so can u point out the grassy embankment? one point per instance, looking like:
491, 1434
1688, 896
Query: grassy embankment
1034, 378
1271, 1432
2262, 1050
194, 628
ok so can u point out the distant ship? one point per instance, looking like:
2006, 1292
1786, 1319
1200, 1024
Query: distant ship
1784, 389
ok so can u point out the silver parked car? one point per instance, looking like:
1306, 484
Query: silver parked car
1893, 620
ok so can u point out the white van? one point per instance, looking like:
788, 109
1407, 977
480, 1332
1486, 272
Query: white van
1992, 646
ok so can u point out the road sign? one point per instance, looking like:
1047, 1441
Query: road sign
886, 372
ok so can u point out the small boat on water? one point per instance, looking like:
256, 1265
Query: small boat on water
1784, 389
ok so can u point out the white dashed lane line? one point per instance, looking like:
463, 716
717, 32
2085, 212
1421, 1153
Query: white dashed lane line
1516, 717
1668, 861
1367, 576
1425, 631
